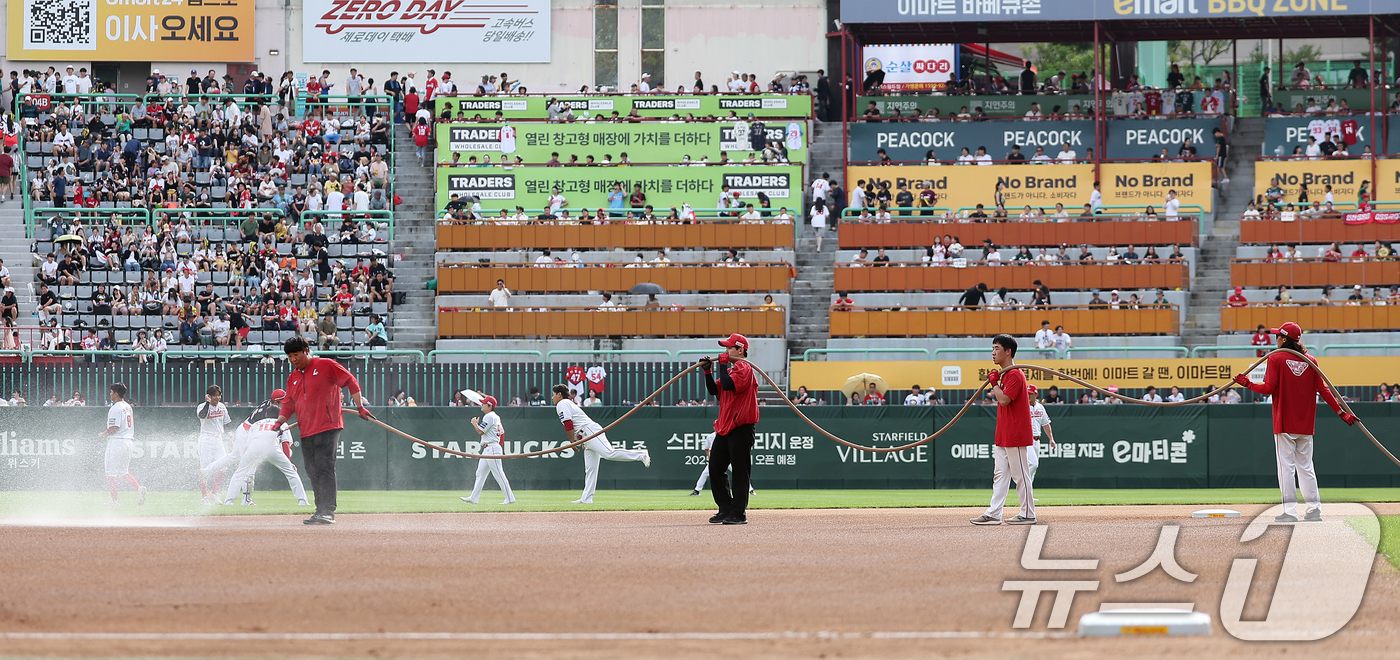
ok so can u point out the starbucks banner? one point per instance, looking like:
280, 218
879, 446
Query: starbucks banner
588, 187
785, 106
652, 143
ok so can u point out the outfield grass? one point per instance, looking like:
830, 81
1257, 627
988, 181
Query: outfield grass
29, 504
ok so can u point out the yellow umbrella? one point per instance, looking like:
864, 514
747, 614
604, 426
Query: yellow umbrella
861, 383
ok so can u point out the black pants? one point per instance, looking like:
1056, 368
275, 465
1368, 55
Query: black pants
318, 457
732, 450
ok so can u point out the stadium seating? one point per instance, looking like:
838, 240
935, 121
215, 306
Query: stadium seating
1098, 232
1314, 230
919, 278
1316, 318
676, 277
986, 323
1312, 272
711, 234
592, 322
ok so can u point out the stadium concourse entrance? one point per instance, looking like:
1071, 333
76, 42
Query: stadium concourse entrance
129, 77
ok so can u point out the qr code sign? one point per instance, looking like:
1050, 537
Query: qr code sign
60, 24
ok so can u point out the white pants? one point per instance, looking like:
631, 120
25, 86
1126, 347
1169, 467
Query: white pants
493, 467
1295, 456
1034, 459
1011, 463
211, 449
264, 447
599, 449
118, 459
705, 478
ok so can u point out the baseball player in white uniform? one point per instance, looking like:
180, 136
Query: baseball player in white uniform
493, 434
706, 444
119, 434
213, 415
266, 410
268, 442
1040, 423
579, 425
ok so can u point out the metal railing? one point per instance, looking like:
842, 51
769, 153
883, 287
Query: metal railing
357, 216
1181, 350
549, 357
1055, 352
807, 354
227, 355
1342, 347
1195, 352
432, 355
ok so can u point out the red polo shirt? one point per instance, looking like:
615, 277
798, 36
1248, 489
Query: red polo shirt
1014, 418
1294, 383
740, 406
313, 395
1261, 339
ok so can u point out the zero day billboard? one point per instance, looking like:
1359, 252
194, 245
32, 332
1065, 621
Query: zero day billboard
117, 31
793, 106
452, 30
922, 11
588, 187
1127, 138
654, 142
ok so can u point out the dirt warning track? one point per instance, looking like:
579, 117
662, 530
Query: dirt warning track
850, 583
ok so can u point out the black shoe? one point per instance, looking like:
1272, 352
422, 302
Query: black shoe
718, 518
320, 519
1283, 517
694, 493
736, 520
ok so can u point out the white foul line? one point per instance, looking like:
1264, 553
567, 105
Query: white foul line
508, 636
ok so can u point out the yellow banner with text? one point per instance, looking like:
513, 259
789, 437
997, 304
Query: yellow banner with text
131, 30
1388, 181
1125, 373
1041, 187
1293, 176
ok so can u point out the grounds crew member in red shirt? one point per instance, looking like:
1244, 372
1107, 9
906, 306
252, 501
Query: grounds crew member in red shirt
313, 395
1014, 441
737, 391
1295, 383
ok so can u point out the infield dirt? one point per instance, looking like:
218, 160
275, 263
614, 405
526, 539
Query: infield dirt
840, 581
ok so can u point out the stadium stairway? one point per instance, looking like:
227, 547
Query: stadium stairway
14, 249
824, 151
1212, 283
415, 238
809, 321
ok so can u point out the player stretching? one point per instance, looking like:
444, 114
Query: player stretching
120, 432
1013, 437
707, 444
266, 442
578, 425
1295, 383
493, 434
213, 415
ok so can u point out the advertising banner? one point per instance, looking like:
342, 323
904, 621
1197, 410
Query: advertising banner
1368, 217
1041, 186
923, 11
1392, 134
913, 141
506, 188
112, 31
1282, 134
1160, 372
1146, 138
1358, 100
1122, 447
1388, 180
787, 106
1295, 176
992, 106
655, 142
393, 31
912, 66
1147, 184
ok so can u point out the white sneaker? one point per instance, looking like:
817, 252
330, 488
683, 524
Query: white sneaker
508, 502
468, 500
646, 458
303, 503
207, 502
582, 502
111, 503
248, 502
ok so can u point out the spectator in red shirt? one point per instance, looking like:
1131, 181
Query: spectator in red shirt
1261, 338
345, 300
737, 391
7, 167
1237, 299
1359, 254
1295, 383
313, 396
843, 303
421, 131
1013, 436
873, 397
1332, 254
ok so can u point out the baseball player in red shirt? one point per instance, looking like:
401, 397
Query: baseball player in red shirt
737, 391
313, 395
1295, 383
1014, 441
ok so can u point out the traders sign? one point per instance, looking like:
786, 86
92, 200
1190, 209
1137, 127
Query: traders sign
404, 30
119, 31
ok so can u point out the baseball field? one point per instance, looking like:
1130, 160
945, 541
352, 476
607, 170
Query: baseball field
639, 574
